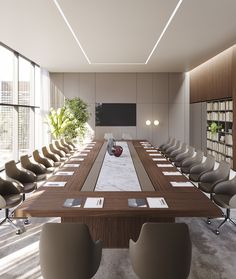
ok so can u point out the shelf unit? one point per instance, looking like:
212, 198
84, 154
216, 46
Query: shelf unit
220, 144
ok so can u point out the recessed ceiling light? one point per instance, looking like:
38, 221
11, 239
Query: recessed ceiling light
164, 30
104, 63
71, 30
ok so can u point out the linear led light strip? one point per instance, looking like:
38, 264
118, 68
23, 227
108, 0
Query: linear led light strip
86, 56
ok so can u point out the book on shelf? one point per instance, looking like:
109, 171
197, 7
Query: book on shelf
72, 203
137, 203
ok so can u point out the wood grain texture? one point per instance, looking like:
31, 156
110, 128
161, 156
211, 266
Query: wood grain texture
116, 222
212, 79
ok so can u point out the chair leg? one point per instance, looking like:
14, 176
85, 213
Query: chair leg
227, 217
7, 219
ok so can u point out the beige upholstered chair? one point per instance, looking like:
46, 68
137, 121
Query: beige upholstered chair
10, 196
224, 195
188, 163
46, 162
39, 170
26, 178
58, 152
68, 146
71, 144
197, 170
48, 154
162, 251
68, 251
63, 148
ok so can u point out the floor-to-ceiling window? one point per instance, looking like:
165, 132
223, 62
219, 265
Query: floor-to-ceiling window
19, 90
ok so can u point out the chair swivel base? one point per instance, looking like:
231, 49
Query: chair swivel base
7, 219
227, 218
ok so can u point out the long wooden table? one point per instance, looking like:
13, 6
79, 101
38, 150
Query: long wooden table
116, 223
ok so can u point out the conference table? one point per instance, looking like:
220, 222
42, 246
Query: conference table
116, 222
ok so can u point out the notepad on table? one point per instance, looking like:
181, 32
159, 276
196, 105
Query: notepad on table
55, 184
159, 159
171, 173
157, 154
76, 159
182, 184
69, 165
151, 150
157, 202
72, 203
64, 173
144, 142
146, 147
137, 203
94, 203
164, 165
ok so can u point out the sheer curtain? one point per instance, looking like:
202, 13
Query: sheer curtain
42, 135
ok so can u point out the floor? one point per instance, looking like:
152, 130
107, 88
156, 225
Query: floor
214, 257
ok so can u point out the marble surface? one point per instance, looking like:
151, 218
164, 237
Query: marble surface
118, 173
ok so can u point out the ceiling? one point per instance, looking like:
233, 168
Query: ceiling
118, 36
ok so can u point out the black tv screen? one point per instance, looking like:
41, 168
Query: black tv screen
115, 114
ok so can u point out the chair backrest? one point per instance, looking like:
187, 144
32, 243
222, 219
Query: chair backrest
11, 170
208, 165
70, 143
54, 150
221, 173
63, 143
226, 187
49, 155
14, 173
163, 250
28, 165
197, 159
41, 160
68, 251
60, 147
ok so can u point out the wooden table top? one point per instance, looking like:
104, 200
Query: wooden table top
182, 201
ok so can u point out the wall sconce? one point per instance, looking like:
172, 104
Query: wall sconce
148, 122
155, 122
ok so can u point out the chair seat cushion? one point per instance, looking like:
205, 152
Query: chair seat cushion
206, 187
41, 176
57, 164
194, 177
29, 187
50, 169
222, 200
12, 200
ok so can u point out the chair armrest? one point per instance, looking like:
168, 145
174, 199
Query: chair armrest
225, 187
232, 202
18, 185
2, 202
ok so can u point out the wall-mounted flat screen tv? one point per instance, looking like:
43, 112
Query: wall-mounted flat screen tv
115, 114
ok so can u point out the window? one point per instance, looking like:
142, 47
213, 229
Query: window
19, 99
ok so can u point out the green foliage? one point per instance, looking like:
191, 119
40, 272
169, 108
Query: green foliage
77, 112
69, 121
214, 128
58, 122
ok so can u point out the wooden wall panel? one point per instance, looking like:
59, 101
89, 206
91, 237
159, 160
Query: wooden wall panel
212, 79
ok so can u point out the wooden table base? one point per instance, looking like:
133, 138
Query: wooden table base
115, 232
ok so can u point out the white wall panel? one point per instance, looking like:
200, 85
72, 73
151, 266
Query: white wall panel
160, 88
144, 88
71, 85
160, 132
116, 88
87, 87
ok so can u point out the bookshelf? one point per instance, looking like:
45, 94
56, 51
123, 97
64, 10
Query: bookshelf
220, 143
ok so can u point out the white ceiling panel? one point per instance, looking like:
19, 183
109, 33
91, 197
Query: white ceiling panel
117, 32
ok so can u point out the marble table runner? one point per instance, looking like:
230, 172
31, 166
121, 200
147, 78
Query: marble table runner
118, 173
